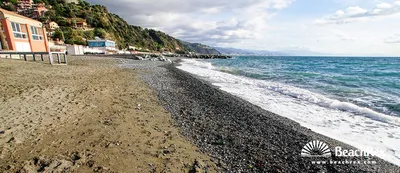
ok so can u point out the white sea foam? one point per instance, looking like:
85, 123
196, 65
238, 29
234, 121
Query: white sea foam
358, 126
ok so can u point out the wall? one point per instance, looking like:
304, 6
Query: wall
27, 44
75, 50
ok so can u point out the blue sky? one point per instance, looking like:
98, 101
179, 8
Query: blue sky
334, 27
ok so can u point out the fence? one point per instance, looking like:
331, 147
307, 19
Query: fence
42, 55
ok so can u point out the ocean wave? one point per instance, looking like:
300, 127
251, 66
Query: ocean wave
324, 101
200, 64
340, 120
303, 94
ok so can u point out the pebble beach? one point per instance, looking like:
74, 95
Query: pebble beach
239, 136
120, 115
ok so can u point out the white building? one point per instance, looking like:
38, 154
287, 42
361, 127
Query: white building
75, 50
71, 1
107, 46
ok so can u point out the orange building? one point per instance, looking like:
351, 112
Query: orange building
22, 34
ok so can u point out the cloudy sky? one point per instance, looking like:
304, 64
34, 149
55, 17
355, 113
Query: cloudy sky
338, 27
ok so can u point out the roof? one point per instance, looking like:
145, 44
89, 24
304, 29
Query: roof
77, 19
9, 14
100, 41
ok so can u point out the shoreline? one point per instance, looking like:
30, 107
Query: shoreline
237, 134
320, 111
118, 115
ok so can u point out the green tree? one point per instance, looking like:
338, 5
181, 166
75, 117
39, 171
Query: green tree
51, 14
99, 32
89, 34
9, 7
62, 22
69, 41
58, 34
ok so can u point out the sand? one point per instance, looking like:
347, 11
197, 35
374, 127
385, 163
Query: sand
109, 115
88, 116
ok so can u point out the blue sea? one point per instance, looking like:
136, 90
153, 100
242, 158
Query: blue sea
365, 81
345, 98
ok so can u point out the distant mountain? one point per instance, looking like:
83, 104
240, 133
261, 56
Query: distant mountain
287, 52
301, 52
234, 51
199, 48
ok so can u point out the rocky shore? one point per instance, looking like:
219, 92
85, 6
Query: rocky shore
206, 56
239, 136
159, 57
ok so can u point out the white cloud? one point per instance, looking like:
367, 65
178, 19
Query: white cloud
206, 21
270, 24
384, 5
212, 10
393, 39
356, 13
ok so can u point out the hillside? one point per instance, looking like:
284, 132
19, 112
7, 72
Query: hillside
199, 48
104, 25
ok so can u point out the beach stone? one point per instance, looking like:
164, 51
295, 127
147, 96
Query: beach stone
90, 163
198, 166
2, 132
240, 136
12, 139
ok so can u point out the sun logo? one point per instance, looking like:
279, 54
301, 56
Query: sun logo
316, 149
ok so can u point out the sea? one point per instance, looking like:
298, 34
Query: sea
355, 100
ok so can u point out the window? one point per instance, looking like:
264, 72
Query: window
35, 33
97, 44
16, 28
110, 44
34, 30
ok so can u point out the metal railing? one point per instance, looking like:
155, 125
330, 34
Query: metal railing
59, 60
61, 56
24, 54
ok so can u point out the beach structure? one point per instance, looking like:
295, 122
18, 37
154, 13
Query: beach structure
71, 1
25, 3
21, 34
31, 10
106, 46
81, 25
75, 50
52, 26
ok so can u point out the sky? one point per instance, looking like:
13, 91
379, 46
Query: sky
333, 27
